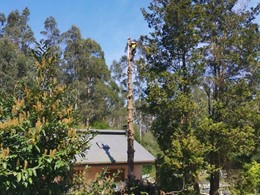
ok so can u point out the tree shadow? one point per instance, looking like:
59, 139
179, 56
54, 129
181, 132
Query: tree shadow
106, 148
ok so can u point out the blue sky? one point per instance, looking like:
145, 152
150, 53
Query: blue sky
108, 22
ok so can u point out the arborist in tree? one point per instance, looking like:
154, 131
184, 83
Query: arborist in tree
133, 46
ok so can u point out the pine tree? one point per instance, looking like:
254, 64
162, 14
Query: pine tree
173, 67
231, 58
191, 37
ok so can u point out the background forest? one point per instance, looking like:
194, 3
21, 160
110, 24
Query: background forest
196, 88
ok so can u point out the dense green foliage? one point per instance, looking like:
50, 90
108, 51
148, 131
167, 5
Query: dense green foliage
85, 69
15, 59
231, 87
203, 76
80, 63
172, 56
103, 184
37, 134
196, 89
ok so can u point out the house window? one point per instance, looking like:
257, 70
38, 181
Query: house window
119, 173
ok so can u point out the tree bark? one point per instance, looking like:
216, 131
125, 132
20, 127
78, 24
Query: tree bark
130, 127
215, 176
214, 183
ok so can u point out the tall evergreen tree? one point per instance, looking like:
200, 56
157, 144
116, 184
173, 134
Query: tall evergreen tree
15, 56
51, 32
118, 70
18, 31
174, 66
232, 58
189, 37
52, 40
14, 65
2, 22
86, 70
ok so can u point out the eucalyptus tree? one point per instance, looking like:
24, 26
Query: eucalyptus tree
118, 71
51, 32
18, 30
15, 57
52, 40
173, 67
85, 68
13, 65
2, 21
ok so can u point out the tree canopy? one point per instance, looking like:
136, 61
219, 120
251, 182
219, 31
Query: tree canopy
201, 48
38, 137
196, 89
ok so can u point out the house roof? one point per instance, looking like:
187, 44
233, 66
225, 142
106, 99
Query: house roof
110, 146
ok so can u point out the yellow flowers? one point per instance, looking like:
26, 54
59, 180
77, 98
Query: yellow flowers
9, 123
18, 104
72, 132
59, 89
27, 92
69, 110
38, 125
4, 153
21, 117
39, 106
14, 110
52, 153
54, 80
67, 121
25, 164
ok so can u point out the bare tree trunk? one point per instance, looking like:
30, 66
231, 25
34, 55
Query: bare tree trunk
215, 175
130, 127
214, 183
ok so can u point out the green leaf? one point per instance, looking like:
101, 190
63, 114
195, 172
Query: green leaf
4, 165
34, 172
49, 160
30, 180
19, 177
30, 172
37, 148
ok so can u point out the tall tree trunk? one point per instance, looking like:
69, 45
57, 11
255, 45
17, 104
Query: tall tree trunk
215, 156
215, 175
214, 183
130, 132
